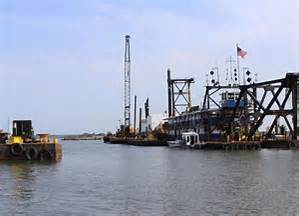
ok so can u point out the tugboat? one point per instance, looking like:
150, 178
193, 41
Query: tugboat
189, 140
24, 145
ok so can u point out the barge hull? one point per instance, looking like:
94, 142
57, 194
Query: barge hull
39, 151
133, 141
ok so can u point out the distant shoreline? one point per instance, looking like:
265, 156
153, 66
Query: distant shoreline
75, 139
82, 137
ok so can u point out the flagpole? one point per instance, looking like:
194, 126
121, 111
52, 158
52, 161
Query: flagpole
238, 64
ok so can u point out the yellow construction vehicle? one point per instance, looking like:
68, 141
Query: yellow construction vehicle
15, 140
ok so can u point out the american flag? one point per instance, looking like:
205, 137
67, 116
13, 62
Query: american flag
241, 52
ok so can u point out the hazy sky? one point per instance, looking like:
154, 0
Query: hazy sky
61, 61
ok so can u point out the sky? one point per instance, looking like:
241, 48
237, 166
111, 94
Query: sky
61, 61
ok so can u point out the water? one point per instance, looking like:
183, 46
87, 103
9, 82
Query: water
100, 179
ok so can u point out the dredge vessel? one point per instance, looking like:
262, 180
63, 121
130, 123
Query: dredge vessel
237, 116
22, 144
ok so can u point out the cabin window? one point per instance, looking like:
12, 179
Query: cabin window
192, 140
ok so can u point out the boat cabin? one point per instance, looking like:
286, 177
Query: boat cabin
190, 138
229, 100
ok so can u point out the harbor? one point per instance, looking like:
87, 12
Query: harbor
149, 108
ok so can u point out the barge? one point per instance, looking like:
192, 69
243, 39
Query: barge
135, 141
24, 145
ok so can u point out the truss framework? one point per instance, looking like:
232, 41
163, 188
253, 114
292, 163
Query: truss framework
263, 99
179, 95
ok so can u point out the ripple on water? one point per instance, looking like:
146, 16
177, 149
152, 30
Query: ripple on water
99, 179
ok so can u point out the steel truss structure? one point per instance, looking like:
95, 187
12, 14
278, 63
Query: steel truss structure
179, 95
275, 99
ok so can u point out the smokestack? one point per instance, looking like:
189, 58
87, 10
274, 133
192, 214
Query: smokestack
146, 108
135, 102
140, 118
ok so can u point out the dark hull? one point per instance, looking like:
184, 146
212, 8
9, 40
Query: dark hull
31, 151
133, 141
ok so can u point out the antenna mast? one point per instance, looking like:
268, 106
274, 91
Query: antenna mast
127, 84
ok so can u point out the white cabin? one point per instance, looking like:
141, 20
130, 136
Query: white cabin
190, 138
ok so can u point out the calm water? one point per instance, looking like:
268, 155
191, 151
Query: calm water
100, 179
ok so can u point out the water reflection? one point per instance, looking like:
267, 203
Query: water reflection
22, 176
100, 179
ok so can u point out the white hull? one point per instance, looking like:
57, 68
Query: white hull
176, 144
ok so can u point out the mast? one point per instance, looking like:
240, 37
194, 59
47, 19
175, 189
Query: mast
127, 84
238, 64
